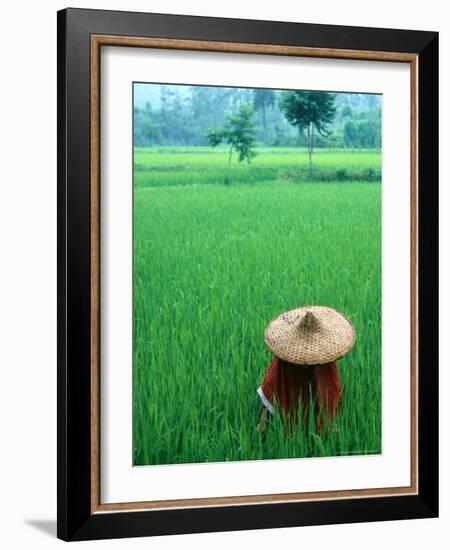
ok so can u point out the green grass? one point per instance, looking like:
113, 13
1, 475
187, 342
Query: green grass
213, 264
160, 167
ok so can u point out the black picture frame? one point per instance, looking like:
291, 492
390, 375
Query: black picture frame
75, 518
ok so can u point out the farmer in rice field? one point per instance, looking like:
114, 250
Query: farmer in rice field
306, 343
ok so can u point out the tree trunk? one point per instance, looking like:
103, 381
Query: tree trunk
310, 145
228, 176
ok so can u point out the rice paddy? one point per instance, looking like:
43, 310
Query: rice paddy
214, 263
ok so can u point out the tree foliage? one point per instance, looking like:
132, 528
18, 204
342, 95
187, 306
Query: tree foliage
238, 133
171, 115
308, 111
263, 99
363, 133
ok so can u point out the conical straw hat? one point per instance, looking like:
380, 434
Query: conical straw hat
310, 335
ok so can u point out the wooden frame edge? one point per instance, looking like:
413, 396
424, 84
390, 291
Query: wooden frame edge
236, 47
95, 273
414, 272
353, 494
261, 49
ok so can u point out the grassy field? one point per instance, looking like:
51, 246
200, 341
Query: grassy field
213, 264
160, 167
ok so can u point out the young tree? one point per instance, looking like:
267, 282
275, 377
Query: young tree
262, 100
239, 133
309, 110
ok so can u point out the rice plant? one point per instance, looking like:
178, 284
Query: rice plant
213, 264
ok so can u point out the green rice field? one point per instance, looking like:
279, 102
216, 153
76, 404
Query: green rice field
164, 166
214, 263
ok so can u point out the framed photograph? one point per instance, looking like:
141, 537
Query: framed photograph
247, 256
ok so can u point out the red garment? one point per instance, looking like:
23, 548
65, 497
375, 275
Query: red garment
287, 383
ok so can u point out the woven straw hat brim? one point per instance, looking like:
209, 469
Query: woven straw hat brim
310, 335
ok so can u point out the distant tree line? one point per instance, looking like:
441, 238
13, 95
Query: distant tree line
182, 115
